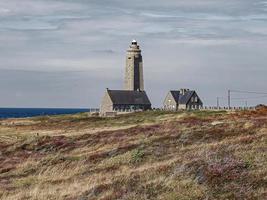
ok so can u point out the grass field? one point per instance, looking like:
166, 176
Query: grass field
149, 155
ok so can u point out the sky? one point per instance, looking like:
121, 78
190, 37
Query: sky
65, 53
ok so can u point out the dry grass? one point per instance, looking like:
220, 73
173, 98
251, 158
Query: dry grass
151, 155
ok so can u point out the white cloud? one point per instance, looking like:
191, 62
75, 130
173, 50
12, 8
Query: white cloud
27, 24
4, 11
208, 42
37, 7
188, 41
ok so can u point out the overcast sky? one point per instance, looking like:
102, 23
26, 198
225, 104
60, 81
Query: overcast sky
64, 53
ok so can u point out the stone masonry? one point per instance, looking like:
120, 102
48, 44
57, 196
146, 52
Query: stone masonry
134, 79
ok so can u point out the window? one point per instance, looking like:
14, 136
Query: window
196, 99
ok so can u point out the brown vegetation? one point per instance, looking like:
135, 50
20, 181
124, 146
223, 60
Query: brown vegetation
150, 155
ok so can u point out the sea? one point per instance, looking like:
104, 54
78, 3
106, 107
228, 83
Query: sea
32, 112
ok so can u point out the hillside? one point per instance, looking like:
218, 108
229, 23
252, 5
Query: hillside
150, 155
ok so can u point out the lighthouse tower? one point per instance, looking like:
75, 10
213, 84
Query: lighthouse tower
134, 80
133, 97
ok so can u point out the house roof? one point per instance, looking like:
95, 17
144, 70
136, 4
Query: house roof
175, 95
127, 97
182, 99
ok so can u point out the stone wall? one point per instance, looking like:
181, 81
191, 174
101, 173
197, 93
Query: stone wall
169, 103
134, 79
106, 104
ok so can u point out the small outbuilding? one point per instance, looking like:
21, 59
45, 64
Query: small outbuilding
183, 99
115, 101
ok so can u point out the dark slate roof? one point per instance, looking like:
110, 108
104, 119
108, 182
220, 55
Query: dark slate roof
182, 99
126, 97
175, 95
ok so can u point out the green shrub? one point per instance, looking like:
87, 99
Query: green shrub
137, 156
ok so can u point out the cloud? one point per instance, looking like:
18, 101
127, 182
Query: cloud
209, 45
38, 7
4, 11
27, 24
29, 88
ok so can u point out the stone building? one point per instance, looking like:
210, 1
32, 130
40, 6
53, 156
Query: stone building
133, 97
124, 101
134, 79
183, 99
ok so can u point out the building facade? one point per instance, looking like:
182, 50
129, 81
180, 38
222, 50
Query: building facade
133, 97
134, 79
124, 101
183, 99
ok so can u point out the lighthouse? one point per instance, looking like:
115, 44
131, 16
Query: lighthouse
133, 97
134, 80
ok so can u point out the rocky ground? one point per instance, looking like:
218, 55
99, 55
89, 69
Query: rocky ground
150, 155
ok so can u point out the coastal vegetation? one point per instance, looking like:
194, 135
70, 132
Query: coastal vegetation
146, 155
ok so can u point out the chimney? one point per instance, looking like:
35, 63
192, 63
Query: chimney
183, 91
